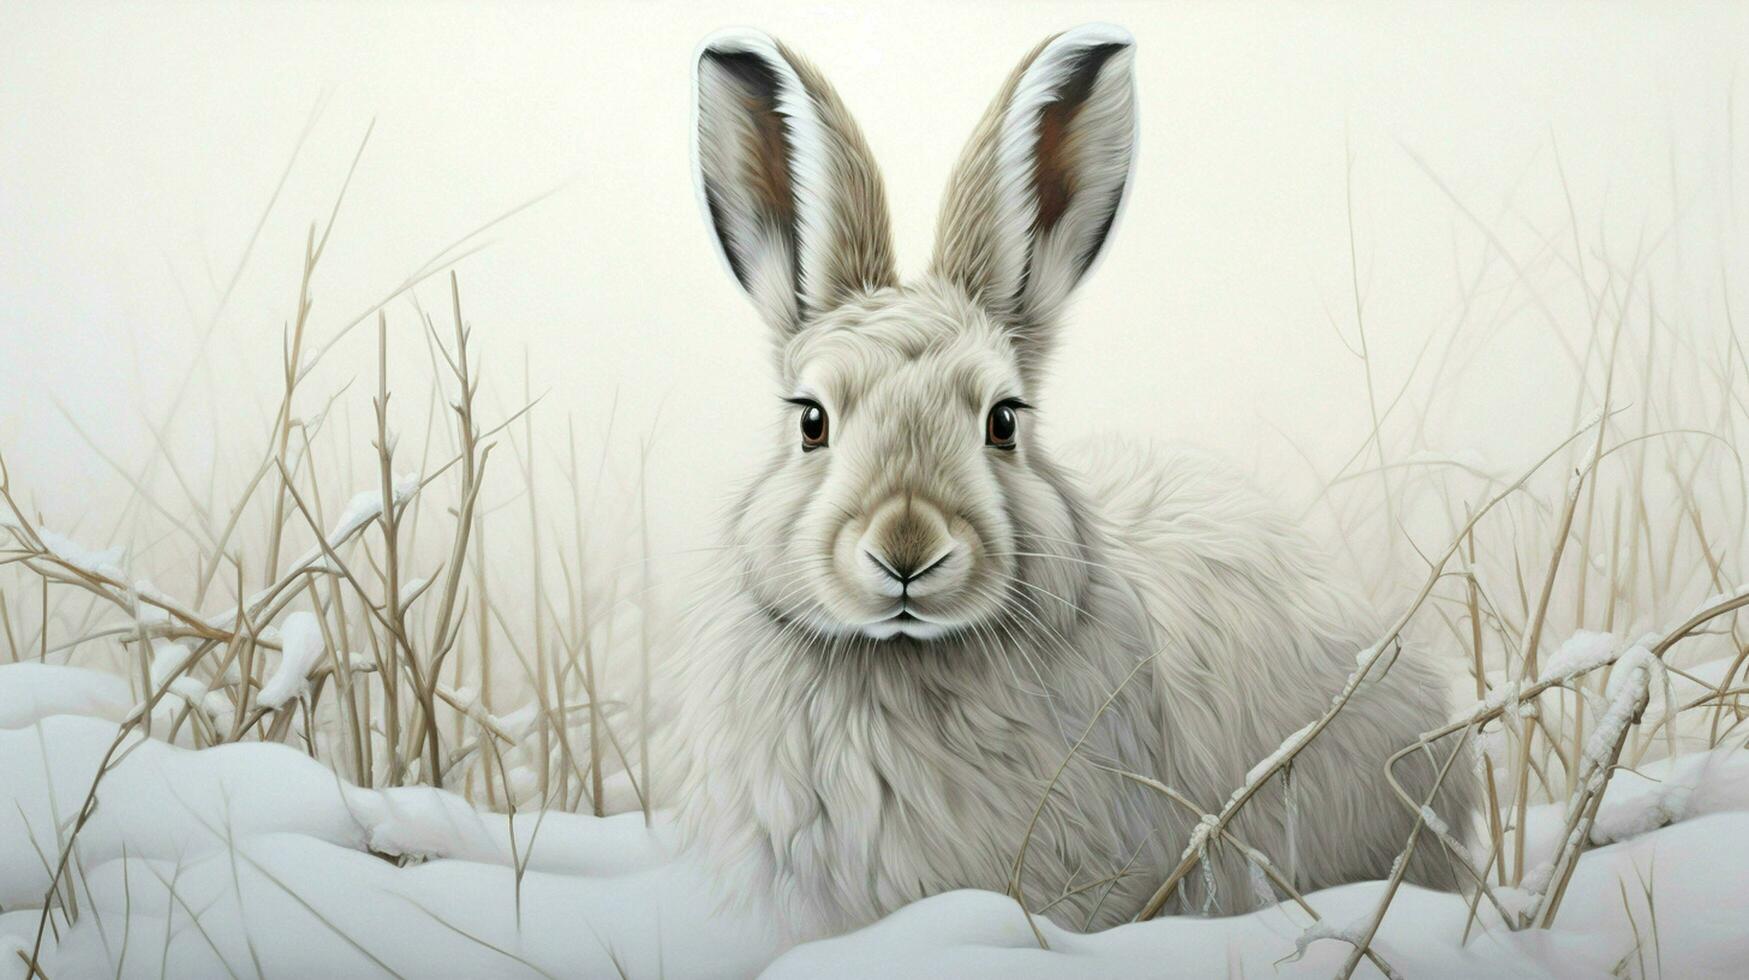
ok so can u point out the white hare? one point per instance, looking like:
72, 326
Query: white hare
925, 608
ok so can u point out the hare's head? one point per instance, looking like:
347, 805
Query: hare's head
906, 495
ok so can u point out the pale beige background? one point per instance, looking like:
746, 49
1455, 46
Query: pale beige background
138, 145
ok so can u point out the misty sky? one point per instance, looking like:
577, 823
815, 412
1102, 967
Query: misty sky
139, 145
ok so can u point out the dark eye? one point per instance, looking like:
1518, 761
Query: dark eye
813, 425
1000, 428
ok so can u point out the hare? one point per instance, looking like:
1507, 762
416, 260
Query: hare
926, 612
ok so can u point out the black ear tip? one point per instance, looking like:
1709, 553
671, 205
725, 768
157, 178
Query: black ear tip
1089, 61
738, 46
749, 70
745, 57
1083, 52
1098, 34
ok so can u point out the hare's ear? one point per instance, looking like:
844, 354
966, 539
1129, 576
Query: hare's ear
786, 181
1034, 196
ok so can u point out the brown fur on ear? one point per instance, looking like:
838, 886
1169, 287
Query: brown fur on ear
765, 153
857, 253
789, 187
1034, 196
1054, 174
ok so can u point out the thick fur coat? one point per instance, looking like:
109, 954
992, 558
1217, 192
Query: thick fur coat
923, 618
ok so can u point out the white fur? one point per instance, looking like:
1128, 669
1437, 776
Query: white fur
808, 142
838, 762
1048, 273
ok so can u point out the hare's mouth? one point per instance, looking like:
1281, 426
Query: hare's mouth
906, 622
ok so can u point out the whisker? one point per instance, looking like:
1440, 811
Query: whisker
1107, 566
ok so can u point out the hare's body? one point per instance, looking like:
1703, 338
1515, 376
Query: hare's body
842, 779
927, 621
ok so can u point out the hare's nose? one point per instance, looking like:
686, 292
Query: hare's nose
906, 570
907, 538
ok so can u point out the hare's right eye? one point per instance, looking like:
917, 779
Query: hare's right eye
814, 427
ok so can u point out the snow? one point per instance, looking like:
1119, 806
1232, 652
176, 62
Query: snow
1699, 905
1270, 761
106, 562
1629, 685
1504, 697
149, 603
1661, 793
976, 933
1722, 598
300, 639
1325, 929
278, 854
167, 659
29, 691
1583, 651
365, 506
411, 590
311, 876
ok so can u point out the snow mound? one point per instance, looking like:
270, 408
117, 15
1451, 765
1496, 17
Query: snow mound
292, 867
288, 863
1699, 910
31, 691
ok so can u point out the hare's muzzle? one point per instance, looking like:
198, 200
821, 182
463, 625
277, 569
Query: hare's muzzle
908, 547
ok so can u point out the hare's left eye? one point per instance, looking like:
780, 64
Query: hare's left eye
1003, 424
814, 424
